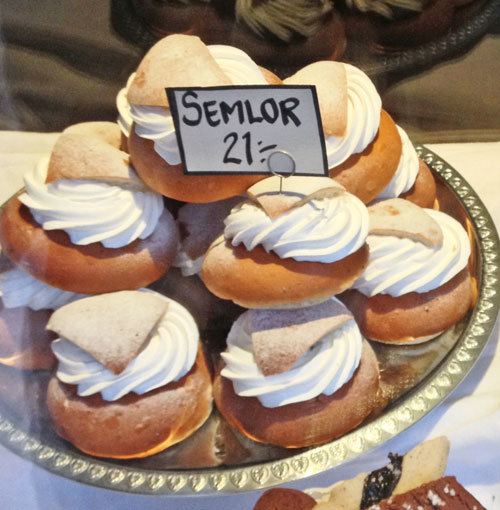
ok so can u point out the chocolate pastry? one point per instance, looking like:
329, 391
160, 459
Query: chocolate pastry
445, 493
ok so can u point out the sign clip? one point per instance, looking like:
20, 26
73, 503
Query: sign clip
282, 164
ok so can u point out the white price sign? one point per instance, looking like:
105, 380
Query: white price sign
232, 130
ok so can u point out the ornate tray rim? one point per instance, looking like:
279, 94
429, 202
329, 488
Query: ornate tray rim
447, 46
411, 407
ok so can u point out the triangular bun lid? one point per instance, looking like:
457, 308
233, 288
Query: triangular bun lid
295, 191
89, 157
281, 337
113, 328
175, 61
330, 80
109, 132
402, 218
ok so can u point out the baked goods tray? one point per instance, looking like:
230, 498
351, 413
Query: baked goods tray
409, 61
415, 379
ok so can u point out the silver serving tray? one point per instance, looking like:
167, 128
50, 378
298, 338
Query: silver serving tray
409, 61
415, 380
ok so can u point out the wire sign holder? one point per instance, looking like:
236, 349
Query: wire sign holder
282, 164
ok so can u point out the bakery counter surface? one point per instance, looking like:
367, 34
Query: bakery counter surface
470, 416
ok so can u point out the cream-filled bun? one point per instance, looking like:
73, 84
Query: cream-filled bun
86, 223
291, 248
363, 146
25, 307
132, 359
417, 282
296, 378
413, 179
183, 61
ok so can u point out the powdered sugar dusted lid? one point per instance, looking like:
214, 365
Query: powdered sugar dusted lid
281, 337
112, 328
304, 352
107, 131
330, 80
401, 218
89, 157
175, 61
276, 197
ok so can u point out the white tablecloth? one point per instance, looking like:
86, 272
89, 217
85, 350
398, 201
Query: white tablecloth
470, 417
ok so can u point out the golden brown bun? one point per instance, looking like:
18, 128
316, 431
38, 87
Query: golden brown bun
313, 422
171, 181
135, 425
368, 173
406, 318
285, 499
423, 192
50, 256
24, 341
257, 279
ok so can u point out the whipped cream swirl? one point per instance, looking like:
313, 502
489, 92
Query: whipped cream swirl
89, 211
322, 230
407, 170
237, 65
398, 266
363, 118
169, 356
324, 369
124, 119
156, 123
19, 289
